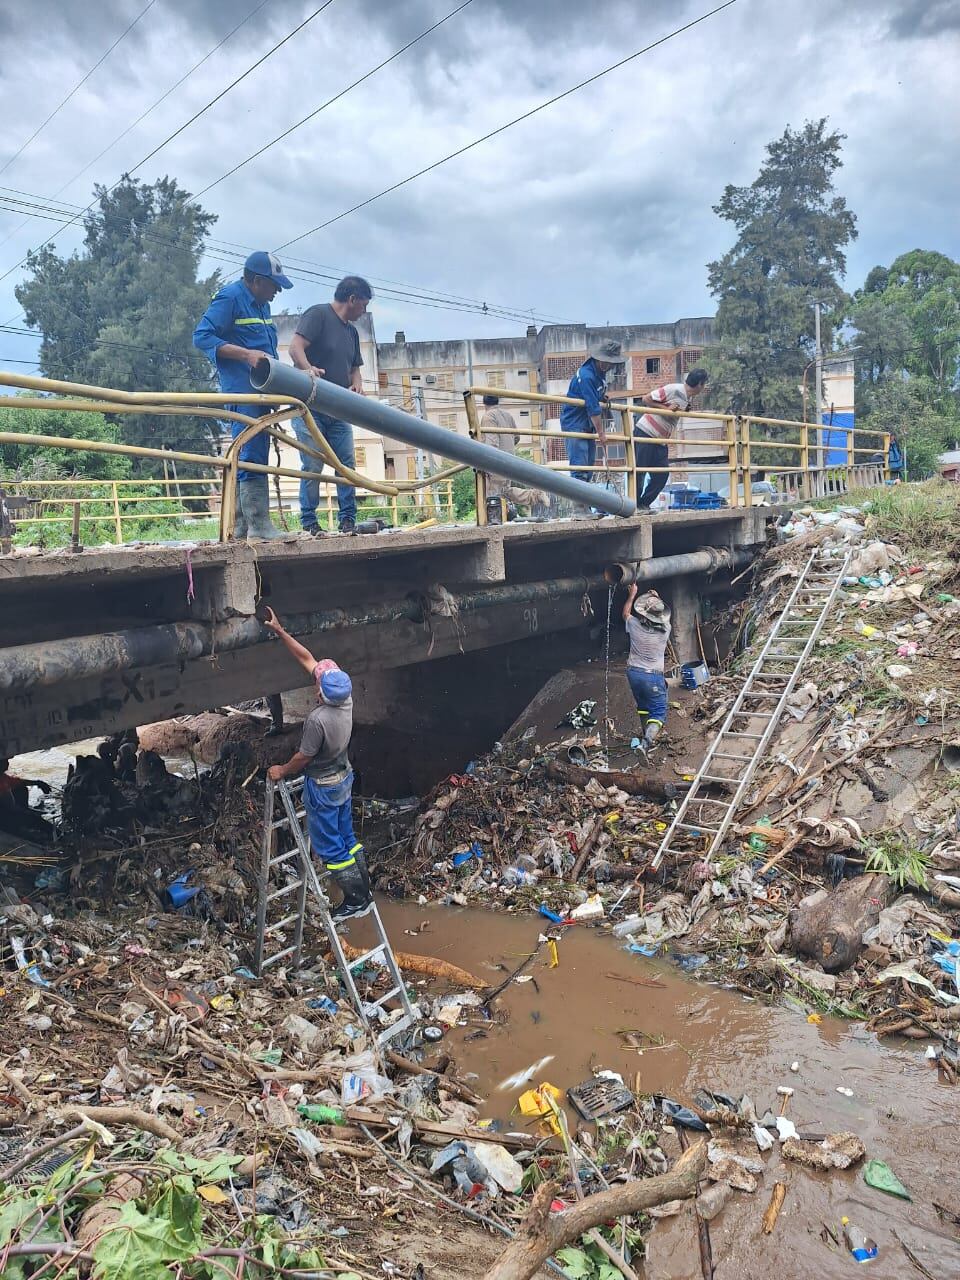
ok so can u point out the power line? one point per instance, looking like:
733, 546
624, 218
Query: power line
140, 118
79, 85
336, 98
508, 125
187, 123
39, 208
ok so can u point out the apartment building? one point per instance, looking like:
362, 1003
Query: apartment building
429, 378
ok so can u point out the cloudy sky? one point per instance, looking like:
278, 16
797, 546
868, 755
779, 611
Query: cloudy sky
597, 208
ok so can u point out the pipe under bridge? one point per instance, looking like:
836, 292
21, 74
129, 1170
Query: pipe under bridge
113, 639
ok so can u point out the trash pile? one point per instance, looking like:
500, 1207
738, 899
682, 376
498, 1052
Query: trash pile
838, 889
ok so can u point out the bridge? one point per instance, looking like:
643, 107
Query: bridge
94, 641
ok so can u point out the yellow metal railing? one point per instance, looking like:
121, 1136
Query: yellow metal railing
77, 397
737, 440
742, 446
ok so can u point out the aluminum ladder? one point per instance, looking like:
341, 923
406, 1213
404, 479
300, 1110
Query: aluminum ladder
301, 876
771, 681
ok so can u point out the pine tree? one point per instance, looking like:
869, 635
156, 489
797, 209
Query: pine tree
792, 230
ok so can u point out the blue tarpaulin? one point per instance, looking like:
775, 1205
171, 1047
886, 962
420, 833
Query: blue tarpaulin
835, 439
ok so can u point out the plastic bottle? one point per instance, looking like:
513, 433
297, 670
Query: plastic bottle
321, 1114
858, 1242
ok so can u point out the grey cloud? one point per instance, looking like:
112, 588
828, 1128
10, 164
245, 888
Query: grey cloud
914, 19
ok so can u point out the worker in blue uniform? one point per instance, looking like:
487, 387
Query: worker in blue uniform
234, 333
589, 385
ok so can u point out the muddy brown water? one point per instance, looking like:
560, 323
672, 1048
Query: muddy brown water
720, 1040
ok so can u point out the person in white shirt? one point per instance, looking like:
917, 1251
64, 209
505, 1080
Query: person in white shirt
651, 432
647, 620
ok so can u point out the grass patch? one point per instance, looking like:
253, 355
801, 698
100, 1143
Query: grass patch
891, 856
920, 517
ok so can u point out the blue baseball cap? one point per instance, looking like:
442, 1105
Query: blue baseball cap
263, 263
336, 687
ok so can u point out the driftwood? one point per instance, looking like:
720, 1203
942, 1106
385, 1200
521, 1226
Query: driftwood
828, 925
634, 784
543, 1233
126, 1115
427, 966
451, 1086
588, 846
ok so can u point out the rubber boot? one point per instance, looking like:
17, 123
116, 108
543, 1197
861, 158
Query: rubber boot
255, 508
361, 858
355, 887
651, 733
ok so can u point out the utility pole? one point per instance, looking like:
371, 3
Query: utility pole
818, 386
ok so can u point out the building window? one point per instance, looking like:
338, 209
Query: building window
449, 420
524, 413
496, 378
411, 467
521, 373
360, 455
414, 377
691, 356
382, 381
653, 364
445, 381
558, 367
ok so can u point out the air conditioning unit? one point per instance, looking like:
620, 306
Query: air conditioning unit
431, 379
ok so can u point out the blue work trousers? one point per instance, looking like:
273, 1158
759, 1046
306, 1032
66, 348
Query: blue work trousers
581, 453
339, 436
649, 690
330, 822
255, 450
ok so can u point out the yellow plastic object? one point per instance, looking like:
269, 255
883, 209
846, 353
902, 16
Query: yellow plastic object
554, 956
536, 1102
815, 1019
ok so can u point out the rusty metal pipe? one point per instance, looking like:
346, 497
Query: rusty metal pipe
271, 376
50, 662
708, 560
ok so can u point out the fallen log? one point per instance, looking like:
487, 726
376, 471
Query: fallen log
105, 1212
588, 846
634, 784
828, 926
426, 966
543, 1233
449, 1133
126, 1115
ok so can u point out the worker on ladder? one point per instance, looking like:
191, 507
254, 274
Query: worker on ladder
647, 621
328, 781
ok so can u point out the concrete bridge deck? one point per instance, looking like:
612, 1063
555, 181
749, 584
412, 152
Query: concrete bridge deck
110, 638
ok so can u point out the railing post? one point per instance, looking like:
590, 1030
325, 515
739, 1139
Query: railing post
228, 497
116, 512
744, 425
395, 510
733, 451
329, 509
480, 478
804, 488
630, 454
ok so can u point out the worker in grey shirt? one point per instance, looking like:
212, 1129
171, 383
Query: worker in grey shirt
327, 345
499, 429
647, 621
328, 784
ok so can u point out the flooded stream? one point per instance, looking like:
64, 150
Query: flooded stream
715, 1039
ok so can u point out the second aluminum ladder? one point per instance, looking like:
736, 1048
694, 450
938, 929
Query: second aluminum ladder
758, 706
302, 876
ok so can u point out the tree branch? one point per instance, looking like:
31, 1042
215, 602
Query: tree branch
543, 1234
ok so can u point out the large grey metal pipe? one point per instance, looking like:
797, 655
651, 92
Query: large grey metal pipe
50, 662
274, 378
706, 560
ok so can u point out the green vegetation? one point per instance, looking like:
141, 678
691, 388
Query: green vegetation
122, 312
890, 855
921, 518
32, 462
172, 1228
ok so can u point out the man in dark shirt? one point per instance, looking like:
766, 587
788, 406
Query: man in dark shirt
327, 345
328, 785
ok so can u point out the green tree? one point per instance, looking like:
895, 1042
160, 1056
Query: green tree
792, 230
907, 321
904, 407
121, 313
27, 460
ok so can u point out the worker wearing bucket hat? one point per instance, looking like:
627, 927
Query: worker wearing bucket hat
328, 782
589, 385
647, 621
